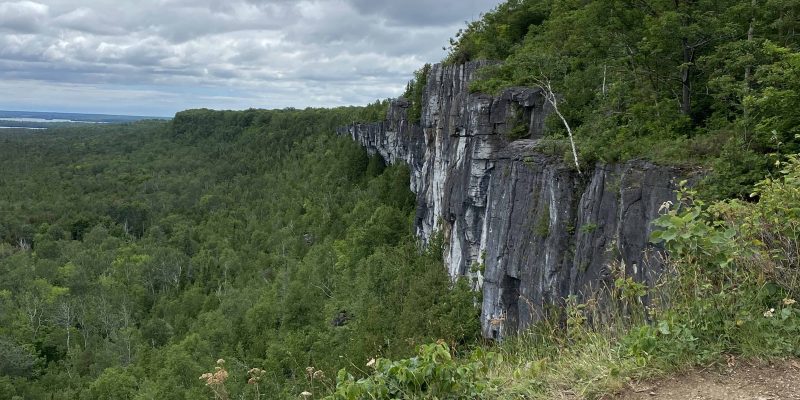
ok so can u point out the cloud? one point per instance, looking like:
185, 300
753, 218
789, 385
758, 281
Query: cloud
423, 12
22, 16
232, 54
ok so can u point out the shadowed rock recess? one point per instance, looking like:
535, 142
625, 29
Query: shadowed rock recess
526, 224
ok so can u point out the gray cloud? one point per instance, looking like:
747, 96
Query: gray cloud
22, 16
423, 12
209, 53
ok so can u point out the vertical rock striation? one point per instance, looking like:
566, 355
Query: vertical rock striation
525, 224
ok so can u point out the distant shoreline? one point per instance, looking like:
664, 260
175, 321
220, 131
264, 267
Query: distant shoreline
53, 120
46, 117
24, 127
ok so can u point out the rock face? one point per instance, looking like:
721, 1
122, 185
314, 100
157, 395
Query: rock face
525, 224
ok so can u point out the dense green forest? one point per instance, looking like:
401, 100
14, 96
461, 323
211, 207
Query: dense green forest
710, 83
134, 256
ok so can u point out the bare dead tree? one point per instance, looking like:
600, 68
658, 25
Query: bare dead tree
34, 308
65, 317
544, 84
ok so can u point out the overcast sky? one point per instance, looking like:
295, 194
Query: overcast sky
157, 57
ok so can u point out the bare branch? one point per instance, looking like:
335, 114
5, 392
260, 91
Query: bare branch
550, 96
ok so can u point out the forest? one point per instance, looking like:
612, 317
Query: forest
261, 253
695, 83
134, 256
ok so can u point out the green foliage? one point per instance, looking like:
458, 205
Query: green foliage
113, 383
518, 124
17, 360
710, 83
496, 34
372, 112
588, 228
433, 373
689, 235
132, 256
542, 227
731, 289
413, 93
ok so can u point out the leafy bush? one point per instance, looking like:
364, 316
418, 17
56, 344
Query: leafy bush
413, 93
734, 269
432, 374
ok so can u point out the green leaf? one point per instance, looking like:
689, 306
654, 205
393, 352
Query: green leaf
663, 327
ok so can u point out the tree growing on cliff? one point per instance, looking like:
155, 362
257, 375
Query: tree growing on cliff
551, 97
695, 82
413, 93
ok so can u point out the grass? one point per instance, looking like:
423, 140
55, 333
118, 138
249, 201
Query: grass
570, 357
540, 370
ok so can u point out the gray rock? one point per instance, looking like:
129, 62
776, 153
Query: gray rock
541, 231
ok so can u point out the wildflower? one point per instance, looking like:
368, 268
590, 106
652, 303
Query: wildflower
318, 374
256, 373
220, 362
665, 206
252, 381
787, 301
306, 394
371, 363
769, 313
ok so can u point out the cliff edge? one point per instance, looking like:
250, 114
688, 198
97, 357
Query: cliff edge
526, 225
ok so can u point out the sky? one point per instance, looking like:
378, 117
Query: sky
157, 57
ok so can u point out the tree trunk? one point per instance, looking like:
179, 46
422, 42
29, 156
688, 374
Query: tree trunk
686, 73
750, 31
686, 97
550, 96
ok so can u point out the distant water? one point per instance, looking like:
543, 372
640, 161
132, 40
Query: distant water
22, 127
46, 117
27, 119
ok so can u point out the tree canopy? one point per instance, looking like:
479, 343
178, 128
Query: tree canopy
133, 256
709, 83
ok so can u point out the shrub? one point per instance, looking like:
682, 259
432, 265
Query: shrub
432, 374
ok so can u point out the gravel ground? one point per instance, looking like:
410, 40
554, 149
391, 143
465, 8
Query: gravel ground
779, 380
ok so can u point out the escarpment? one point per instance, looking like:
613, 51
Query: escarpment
527, 225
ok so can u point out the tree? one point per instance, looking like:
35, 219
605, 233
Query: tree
114, 384
64, 316
551, 97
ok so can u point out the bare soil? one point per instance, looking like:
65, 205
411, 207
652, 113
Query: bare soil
779, 380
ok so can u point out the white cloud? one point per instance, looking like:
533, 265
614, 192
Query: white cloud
232, 54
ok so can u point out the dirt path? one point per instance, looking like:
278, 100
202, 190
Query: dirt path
776, 381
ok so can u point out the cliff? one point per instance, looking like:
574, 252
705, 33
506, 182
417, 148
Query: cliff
524, 223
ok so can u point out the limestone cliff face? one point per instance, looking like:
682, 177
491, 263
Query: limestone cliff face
537, 229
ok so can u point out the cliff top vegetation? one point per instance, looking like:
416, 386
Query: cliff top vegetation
711, 83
